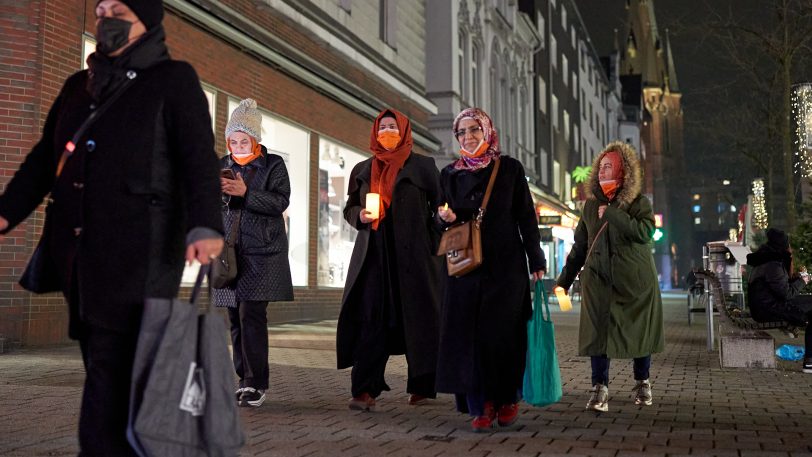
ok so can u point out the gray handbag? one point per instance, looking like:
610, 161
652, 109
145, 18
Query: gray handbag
181, 397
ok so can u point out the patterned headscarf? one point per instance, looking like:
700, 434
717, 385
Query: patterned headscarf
484, 121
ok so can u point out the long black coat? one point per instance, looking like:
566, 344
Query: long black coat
262, 243
142, 177
414, 200
485, 313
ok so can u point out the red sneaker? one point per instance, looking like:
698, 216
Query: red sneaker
484, 423
363, 402
508, 414
415, 399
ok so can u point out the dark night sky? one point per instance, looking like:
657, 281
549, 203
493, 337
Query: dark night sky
699, 72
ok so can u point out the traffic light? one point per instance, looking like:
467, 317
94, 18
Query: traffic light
658, 234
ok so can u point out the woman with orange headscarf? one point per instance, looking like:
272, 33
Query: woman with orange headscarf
621, 310
484, 317
392, 296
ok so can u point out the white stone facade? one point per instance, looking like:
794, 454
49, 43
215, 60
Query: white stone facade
480, 53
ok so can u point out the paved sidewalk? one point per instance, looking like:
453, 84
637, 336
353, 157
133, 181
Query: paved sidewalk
698, 408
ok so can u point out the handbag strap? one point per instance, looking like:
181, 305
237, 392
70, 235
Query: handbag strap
70, 147
483, 207
202, 273
593, 241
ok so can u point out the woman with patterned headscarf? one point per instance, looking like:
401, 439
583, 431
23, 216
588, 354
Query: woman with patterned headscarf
392, 294
483, 324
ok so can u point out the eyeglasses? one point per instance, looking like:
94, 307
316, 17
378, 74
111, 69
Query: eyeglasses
474, 131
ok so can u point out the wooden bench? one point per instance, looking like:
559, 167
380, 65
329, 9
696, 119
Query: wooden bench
742, 340
726, 305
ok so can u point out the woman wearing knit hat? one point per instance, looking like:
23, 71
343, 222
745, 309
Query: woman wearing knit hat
485, 312
132, 196
257, 193
392, 294
621, 310
775, 286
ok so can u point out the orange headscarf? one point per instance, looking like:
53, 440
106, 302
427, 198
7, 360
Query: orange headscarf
386, 163
256, 151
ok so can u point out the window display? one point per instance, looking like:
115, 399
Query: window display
336, 236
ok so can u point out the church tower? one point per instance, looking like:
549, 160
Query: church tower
646, 51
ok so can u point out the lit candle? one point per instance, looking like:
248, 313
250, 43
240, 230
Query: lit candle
563, 299
373, 205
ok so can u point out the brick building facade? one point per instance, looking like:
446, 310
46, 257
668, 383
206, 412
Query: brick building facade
320, 69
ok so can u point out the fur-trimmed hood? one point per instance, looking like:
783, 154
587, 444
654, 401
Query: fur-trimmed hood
632, 175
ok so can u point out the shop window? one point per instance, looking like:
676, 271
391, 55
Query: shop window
88, 47
336, 236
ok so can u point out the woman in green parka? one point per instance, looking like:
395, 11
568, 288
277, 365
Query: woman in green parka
621, 310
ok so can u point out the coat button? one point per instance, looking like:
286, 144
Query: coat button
77, 231
78, 185
92, 106
91, 145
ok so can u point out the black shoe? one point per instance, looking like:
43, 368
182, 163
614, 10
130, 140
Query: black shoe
252, 397
808, 365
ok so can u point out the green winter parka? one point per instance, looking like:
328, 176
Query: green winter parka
621, 309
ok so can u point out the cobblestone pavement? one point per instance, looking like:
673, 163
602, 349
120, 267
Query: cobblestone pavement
699, 409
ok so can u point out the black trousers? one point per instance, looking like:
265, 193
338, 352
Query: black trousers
249, 339
108, 357
797, 311
600, 369
371, 356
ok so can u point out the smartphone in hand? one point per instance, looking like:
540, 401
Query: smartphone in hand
227, 173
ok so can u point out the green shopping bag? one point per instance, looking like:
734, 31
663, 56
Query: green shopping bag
542, 377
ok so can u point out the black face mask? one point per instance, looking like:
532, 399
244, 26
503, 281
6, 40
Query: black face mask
112, 34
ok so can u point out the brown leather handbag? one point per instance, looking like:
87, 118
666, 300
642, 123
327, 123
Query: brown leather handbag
461, 243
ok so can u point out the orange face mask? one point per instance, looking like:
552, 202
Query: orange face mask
245, 159
609, 187
483, 146
389, 138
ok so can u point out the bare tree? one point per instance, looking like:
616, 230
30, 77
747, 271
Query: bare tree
767, 46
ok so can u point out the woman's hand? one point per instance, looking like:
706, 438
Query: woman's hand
235, 187
364, 216
539, 275
446, 214
204, 251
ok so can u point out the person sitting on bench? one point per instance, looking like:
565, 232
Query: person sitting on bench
774, 287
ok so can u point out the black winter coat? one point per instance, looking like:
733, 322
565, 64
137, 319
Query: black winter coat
262, 242
484, 315
769, 285
140, 179
414, 200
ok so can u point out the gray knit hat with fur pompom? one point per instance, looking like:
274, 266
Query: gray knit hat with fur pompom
247, 119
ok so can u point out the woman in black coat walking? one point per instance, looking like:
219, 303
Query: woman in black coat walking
483, 336
138, 194
256, 189
392, 296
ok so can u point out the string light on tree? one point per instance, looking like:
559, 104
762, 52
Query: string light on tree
801, 115
759, 205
